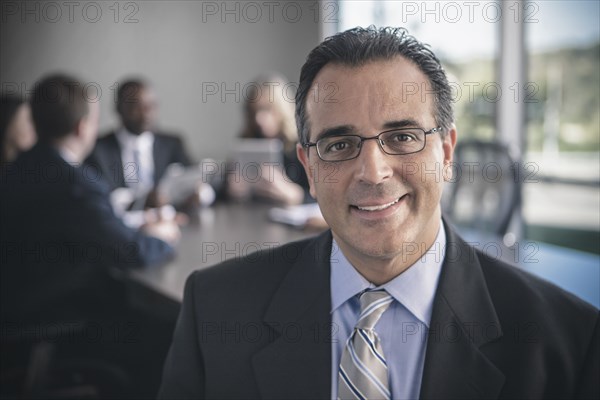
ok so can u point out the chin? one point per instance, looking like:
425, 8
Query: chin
373, 248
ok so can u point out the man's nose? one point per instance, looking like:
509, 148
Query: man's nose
373, 165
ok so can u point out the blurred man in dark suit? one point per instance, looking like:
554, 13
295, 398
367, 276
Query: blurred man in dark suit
60, 237
136, 156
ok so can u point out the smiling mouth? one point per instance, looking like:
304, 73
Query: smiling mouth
378, 207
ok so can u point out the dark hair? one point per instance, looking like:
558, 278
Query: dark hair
358, 46
9, 105
58, 103
129, 88
273, 86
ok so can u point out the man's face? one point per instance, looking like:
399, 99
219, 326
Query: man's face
402, 191
139, 109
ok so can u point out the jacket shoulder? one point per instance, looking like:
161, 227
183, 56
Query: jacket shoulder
534, 310
525, 290
106, 138
269, 264
170, 138
106, 148
248, 283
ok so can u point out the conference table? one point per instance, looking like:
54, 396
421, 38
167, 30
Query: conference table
222, 232
226, 231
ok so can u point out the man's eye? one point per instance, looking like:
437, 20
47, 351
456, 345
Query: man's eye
338, 145
402, 137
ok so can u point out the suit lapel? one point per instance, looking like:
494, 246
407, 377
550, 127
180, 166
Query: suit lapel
463, 320
160, 154
297, 364
114, 153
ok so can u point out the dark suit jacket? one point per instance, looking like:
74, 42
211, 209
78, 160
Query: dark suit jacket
106, 157
59, 235
258, 327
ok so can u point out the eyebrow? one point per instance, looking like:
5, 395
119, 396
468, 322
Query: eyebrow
336, 131
351, 129
403, 123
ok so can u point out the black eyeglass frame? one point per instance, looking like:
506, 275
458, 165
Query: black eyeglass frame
307, 145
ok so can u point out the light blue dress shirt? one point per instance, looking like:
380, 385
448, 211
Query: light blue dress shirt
403, 327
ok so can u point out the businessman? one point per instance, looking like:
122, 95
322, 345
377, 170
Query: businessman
391, 302
135, 157
61, 242
57, 223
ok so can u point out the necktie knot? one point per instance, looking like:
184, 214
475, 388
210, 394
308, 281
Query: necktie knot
373, 304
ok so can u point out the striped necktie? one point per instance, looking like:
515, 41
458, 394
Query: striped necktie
363, 370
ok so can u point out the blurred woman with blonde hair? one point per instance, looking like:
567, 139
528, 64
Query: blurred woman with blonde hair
269, 114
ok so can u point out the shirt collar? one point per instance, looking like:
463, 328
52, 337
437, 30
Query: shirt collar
415, 288
68, 156
128, 139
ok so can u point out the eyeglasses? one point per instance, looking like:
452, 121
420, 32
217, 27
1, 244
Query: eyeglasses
393, 142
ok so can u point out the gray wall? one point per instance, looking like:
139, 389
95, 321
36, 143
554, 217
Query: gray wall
182, 47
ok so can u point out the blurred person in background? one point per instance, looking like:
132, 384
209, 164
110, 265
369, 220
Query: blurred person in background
269, 114
135, 157
62, 243
16, 128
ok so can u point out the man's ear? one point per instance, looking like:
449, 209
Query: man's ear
448, 144
302, 154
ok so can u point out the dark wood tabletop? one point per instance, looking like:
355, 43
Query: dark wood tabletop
219, 233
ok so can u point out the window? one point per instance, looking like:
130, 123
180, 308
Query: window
562, 205
450, 29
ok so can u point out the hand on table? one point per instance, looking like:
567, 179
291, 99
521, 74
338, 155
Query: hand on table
279, 188
155, 199
163, 223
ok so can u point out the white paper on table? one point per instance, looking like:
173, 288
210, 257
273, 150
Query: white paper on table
295, 215
180, 182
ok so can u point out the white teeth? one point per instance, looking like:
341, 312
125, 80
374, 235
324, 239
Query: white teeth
378, 208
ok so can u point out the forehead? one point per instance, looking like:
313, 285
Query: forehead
368, 96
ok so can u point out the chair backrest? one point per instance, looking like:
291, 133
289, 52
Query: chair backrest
41, 360
485, 190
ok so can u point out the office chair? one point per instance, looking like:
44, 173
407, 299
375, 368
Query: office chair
33, 366
485, 189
